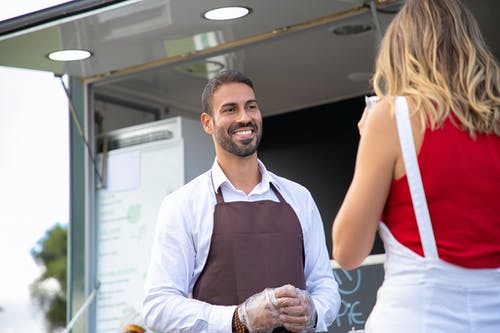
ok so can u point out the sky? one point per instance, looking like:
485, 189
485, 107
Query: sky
34, 184
34, 176
9, 8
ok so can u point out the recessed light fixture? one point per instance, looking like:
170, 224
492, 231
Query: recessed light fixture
204, 69
69, 55
360, 76
226, 13
351, 29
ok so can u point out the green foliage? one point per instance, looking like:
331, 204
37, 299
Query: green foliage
49, 289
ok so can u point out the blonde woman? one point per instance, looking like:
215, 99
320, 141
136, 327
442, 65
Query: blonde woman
428, 168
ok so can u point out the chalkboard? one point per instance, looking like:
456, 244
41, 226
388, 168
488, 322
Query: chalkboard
358, 292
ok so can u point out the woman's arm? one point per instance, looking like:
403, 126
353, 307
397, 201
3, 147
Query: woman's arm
356, 223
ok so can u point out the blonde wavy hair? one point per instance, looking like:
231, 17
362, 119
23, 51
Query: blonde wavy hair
433, 53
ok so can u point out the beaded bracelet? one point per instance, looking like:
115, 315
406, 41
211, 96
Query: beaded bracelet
238, 326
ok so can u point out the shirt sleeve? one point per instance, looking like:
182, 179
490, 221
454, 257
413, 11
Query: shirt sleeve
320, 281
167, 305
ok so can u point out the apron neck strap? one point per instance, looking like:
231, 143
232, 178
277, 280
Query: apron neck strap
414, 179
220, 198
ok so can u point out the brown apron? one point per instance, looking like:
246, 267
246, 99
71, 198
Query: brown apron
255, 245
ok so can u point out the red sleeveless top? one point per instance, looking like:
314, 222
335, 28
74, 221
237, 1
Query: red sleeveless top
461, 179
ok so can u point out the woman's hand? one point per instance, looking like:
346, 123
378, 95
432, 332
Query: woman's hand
362, 121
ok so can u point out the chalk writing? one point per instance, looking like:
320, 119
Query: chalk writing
358, 290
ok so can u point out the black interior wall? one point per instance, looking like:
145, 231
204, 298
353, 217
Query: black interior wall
316, 147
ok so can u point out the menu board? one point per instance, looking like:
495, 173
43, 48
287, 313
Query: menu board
139, 177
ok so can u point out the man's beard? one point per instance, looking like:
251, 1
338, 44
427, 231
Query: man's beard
242, 148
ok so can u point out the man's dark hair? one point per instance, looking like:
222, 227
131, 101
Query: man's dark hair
226, 76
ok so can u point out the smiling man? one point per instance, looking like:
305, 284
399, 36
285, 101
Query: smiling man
239, 249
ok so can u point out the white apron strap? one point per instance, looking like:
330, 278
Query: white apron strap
414, 179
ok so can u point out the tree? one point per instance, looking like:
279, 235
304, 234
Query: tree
49, 289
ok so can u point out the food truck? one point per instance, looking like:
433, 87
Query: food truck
135, 134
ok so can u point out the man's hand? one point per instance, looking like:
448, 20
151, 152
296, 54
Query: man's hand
259, 312
296, 307
285, 306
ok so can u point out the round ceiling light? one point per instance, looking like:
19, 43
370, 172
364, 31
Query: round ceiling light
360, 76
226, 13
69, 55
204, 69
351, 29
